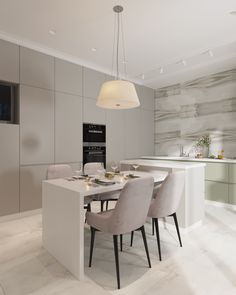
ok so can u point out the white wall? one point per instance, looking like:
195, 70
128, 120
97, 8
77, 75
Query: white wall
56, 97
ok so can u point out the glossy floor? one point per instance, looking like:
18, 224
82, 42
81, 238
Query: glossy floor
205, 265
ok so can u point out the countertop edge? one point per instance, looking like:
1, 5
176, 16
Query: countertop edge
203, 160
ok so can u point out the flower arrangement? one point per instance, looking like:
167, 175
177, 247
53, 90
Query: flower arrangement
204, 140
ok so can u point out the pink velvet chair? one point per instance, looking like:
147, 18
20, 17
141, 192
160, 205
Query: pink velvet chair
129, 214
166, 202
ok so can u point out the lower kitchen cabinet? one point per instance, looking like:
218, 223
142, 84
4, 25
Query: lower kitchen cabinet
31, 186
9, 169
232, 194
217, 191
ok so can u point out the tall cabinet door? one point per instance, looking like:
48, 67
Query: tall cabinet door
9, 169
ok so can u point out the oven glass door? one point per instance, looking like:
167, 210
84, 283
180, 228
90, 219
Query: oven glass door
94, 133
94, 154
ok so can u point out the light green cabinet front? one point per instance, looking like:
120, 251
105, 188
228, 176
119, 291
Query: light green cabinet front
232, 194
232, 173
217, 172
217, 191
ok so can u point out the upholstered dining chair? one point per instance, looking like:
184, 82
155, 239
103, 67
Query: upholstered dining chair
59, 171
129, 214
92, 169
62, 171
166, 202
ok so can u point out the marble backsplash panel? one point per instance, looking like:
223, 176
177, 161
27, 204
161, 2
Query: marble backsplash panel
186, 111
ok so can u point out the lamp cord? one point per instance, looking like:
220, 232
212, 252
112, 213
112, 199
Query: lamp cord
113, 48
123, 48
117, 46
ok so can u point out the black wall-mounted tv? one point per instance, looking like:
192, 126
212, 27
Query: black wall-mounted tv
7, 102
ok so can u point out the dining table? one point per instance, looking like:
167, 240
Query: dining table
63, 214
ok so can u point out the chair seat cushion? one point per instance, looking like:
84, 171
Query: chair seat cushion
108, 196
100, 220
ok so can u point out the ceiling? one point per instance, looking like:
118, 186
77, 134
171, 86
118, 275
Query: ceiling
158, 33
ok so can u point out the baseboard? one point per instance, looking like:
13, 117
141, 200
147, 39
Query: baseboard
221, 205
20, 215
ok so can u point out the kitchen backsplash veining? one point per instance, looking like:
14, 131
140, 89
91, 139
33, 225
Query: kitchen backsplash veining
186, 111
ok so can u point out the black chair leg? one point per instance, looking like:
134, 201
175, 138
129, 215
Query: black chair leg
177, 228
107, 202
158, 237
102, 205
132, 238
145, 245
89, 207
115, 242
153, 225
91, 245
121, 243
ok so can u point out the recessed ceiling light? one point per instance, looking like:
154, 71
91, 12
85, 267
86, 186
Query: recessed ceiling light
94, 49
52, 32
233, 12
210, 52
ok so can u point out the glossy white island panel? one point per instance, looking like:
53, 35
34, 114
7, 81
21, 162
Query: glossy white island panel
191, 208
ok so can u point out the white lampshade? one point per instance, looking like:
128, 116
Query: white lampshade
118, 94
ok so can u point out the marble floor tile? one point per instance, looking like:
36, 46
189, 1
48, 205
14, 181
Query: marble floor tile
206, 264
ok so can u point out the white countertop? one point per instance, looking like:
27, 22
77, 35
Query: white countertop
169, 158
153, 162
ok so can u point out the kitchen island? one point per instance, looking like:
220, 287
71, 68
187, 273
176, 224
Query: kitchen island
191, 209
220, 178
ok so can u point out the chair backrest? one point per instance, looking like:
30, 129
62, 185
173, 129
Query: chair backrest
59, 171
92, 168
131, 209
168, 196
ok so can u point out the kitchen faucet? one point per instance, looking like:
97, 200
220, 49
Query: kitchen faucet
181, 151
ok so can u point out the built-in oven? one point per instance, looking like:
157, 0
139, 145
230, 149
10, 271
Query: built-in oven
94, 133
94, 143
94, 154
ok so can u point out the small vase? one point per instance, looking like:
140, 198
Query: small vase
205, 151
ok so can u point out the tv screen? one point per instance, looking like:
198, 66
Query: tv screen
5, 103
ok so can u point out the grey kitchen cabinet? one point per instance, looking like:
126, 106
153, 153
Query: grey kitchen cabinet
9, 62
36, 69
232, 194
68, 77
92, 82
132, 133
31, 178
217, 191
232, 173
115, 135
36, 126
92, 113
217, 172
147, 133
68, 128
9, 169
146, 97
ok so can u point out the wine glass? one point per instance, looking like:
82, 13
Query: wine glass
114, 166
135, 166
101, 169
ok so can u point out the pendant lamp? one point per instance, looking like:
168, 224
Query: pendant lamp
118, 93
